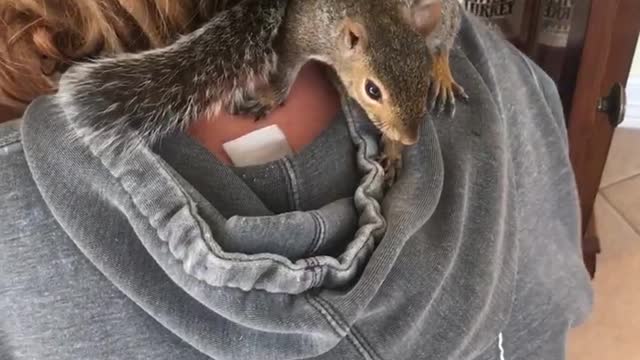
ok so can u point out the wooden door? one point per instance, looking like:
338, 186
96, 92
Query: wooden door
609, 46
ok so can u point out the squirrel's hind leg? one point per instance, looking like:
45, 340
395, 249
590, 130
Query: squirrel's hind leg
265, 98
259, 103
444, 89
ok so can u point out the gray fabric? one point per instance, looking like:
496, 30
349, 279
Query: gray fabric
166, 254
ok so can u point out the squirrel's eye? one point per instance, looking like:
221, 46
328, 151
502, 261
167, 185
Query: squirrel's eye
373, 91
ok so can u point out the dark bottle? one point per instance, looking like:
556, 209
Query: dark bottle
513, 18
552, 35
558, 40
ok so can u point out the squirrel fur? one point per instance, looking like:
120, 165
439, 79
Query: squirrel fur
439, 22
380, 59
245, 59
141, 97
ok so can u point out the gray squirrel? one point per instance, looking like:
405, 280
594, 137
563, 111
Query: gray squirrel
387, 55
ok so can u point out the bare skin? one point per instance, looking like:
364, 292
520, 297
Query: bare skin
312, 105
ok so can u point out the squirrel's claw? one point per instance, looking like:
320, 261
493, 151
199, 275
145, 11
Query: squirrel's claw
390, 160
251, 107
444, 89
391, 168
444, 96
459, 92
258, 105
434, 94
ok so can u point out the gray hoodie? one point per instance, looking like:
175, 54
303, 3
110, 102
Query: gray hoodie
166, 254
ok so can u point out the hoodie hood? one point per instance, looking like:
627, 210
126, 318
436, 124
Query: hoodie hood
294, 282
342, 272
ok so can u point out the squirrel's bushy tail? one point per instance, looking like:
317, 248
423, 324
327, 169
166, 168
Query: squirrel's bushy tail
139, 98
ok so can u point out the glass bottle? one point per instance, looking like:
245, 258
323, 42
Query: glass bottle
513, 18
557, 42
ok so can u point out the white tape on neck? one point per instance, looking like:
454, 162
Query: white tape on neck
258, 147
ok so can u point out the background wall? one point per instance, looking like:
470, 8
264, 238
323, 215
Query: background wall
632, 118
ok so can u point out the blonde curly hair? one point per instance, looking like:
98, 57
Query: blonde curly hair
39, 39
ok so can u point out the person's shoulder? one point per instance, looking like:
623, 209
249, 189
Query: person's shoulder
21, 206
12, 138
494, 56
515, 82
14, 164
11, 131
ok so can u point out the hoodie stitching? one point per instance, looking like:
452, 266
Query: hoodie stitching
293, 182
348, 112
323, 232
352, 329
287, 180
201, 231
191, 209
319, 233
314, 275
322, 271
340, 329
316, 235
358, 335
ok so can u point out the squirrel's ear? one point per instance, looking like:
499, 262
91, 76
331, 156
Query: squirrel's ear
353, 35
423, 15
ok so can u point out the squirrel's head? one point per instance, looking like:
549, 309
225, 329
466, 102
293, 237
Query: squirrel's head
385, 67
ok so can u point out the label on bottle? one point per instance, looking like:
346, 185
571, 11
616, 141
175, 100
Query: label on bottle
503, 15
555, 22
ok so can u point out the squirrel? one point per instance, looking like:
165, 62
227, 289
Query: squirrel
439, 22
245, 59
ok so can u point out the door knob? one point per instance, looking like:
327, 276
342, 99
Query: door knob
614, 104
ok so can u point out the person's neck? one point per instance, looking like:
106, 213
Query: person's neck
310, 108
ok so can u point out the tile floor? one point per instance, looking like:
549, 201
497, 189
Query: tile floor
612, 331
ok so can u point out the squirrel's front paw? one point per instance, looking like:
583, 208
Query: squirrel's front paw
390, 160
391, 168
257, 105
444, 89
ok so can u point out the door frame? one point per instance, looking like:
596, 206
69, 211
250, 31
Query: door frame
609, 47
